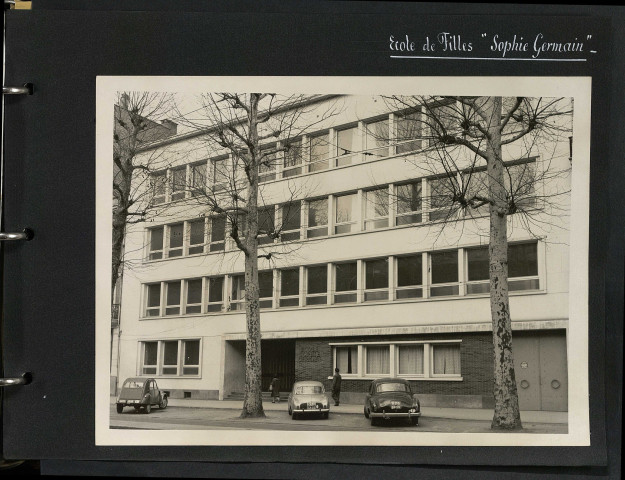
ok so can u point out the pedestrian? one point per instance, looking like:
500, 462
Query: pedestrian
275, 389
336, 387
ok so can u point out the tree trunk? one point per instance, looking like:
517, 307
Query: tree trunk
507, 415
252, 403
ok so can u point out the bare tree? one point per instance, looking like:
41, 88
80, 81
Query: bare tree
462, 142
134, 127
247, 136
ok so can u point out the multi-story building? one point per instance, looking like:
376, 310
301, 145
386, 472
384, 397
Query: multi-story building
373, 275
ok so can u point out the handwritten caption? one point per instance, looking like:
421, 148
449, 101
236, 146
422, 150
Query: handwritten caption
497, 45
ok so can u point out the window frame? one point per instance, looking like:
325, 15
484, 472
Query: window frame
376, 222
353, 214
317, 228
181, 345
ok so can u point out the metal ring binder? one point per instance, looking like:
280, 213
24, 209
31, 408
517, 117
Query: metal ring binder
25, 379
26, 89
26, 234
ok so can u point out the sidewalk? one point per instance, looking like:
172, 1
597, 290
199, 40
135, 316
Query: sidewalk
454, 413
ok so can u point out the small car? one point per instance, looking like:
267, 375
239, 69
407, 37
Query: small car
391, 398
141, 393
308, 398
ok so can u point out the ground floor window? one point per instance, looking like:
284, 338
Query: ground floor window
170, 357
429, 359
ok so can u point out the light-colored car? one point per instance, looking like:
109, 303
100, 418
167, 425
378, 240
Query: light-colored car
308, 398
141, 393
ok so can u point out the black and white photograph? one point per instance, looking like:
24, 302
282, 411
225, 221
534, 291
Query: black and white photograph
342, 261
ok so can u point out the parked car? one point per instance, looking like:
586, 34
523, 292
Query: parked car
391, 398
141, 393
308, 398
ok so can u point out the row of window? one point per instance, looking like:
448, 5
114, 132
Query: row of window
410, 359
170, 358
395, 133
400, 359
408, 203
422, 275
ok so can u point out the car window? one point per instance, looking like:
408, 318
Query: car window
309, 390
132, 384
392, 387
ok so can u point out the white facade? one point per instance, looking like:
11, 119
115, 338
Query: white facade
426, 314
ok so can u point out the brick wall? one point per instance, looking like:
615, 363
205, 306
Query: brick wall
313, 361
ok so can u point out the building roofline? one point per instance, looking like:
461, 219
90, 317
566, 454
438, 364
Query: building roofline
196, 133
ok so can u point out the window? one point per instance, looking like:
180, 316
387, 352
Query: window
292, 159
153, 304
376, 280
377, 139
176, 238
442, 192
170, 358
265, 287
408, 203
196, 236
156, 243
178, 182
172, 306
378, 359
150, 356
159, 182
289, 287
215, 294
317, 285
445, 359
267, 166
345, 210
347, 359
376, 208
408, 132
194, 296
410, 359
317, 218
476, 189
522, 268
266, 225
198, 179
217, 234
191, 363
444, 273
221, 174
347, 146
409, 277
291, 218
520, 181
237, 299
346, 282
319, 147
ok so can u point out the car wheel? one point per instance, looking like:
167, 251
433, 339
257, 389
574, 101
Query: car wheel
414, 420
148, 408
163, 404
366, 412
120, 408
290, 411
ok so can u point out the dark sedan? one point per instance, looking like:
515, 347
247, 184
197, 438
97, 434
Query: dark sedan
391, 398
141, 393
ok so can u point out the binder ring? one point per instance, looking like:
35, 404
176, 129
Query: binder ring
25, 379
26, 234
26, 89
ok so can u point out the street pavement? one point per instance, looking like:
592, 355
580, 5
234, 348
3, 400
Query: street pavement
214, 414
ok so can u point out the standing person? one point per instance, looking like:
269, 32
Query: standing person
275, 389
336, 387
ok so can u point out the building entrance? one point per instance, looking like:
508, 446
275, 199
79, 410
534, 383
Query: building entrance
540, 370
278, 356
